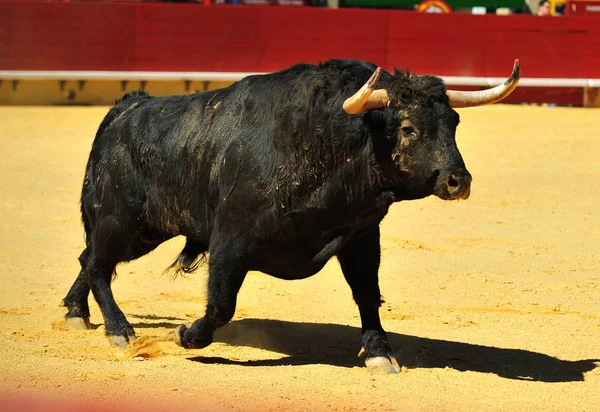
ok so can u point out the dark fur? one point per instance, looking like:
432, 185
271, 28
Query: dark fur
268, 174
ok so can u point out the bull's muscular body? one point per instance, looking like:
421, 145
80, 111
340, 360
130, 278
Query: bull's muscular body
269, 174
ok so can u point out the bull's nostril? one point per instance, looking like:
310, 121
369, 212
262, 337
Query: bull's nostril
457, 185
452, 182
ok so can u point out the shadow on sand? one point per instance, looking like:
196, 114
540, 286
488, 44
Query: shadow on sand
337, 345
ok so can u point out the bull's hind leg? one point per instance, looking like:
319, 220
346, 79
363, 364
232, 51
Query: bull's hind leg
114, 241
227, 271
360, 263
76, 301
118, 330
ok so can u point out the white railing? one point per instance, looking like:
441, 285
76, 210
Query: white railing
233, 76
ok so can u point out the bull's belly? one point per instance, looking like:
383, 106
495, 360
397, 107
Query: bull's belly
292, 270
295, 262
302, 249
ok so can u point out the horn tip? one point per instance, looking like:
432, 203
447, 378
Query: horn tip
372, 83
516, 73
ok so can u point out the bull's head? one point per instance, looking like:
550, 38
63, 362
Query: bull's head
421, 126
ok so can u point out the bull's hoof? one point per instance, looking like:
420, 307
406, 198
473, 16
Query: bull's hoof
192, 336
76, 323
382, 365
179, 333
120, 341
120, 336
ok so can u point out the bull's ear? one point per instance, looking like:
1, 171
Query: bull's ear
460, 99
367, 98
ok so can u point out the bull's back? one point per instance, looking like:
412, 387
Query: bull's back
264, 142
150, 158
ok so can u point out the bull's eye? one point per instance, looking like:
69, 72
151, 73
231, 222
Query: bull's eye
408, 131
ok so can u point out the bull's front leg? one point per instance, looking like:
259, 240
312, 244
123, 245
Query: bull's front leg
360, 264
226, 275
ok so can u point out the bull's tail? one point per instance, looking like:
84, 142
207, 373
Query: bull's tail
191, 257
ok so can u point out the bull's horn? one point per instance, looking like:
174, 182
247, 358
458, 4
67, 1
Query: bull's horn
479, 98
367, 98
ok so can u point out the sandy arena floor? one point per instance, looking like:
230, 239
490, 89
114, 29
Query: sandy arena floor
491, 303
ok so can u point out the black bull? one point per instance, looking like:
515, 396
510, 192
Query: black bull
271, 174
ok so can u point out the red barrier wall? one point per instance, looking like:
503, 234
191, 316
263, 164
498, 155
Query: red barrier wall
191, 37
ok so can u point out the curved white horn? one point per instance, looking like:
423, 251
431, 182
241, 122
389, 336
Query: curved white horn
460, 99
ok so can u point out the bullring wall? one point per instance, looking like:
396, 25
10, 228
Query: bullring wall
132, 36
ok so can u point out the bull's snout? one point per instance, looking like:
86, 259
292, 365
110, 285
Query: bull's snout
456, 185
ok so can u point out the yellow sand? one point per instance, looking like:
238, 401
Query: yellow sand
491, 303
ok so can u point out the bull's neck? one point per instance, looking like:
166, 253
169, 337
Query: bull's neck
362, 172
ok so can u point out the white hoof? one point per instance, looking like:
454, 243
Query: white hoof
119, 341
382, 365
78, 323
177, 337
